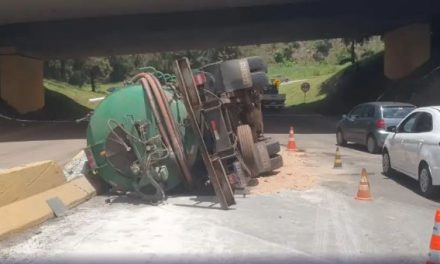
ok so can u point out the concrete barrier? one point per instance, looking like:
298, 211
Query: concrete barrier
21, 182
24, 192
34, 209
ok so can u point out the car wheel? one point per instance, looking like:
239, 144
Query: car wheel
372, 145
340, 140
386, 164
425, 181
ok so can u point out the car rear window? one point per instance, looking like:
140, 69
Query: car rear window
396, 111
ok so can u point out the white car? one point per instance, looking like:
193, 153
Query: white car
413, 148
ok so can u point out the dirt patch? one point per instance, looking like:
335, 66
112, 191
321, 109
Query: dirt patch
294, 175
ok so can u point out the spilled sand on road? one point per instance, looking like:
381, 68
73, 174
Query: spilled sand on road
294, 175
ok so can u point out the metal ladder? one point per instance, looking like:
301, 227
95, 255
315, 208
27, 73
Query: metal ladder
213, 163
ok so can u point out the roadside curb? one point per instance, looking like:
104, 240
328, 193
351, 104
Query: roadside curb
34, 209
24, 181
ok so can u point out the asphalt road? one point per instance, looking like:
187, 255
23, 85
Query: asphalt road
22, 143
322, 224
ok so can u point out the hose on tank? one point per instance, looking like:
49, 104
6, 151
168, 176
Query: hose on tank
173, 131
171, 134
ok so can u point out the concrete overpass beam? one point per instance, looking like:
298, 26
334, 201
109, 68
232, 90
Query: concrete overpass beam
406, 49
21, 82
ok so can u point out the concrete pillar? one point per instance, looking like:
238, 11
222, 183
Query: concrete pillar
21, 82
406, 49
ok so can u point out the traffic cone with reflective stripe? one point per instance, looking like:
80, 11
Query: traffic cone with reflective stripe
291, 145
434, 252
364, 187
338, 160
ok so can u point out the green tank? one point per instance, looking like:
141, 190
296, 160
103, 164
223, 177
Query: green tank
123, 136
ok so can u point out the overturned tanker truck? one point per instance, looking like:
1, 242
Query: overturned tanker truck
200, 129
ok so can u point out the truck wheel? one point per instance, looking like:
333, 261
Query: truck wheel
247, 148
259, 80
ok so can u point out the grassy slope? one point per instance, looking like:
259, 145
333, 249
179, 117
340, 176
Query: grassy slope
295, 71
79, 94
331, 86
315, 74
295, 96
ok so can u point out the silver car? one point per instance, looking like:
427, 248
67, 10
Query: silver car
366, 124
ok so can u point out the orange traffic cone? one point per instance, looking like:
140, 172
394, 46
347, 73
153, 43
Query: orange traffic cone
364, 187
291, 145
434, 253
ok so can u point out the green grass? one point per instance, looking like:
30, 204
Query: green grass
297, 72
79, 94
315, 74
295, 96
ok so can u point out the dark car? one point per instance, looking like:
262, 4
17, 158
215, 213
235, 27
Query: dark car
366, 123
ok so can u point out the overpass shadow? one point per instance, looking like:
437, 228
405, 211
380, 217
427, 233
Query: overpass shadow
358, 83
11, 131
55, 121
279, 122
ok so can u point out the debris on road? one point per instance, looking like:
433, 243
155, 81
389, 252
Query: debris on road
294, 175
76, 167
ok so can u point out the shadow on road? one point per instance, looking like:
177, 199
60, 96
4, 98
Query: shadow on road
11, 131
409, 183
279, 122
359, 147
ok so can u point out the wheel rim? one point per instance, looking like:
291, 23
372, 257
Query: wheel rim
370, 144
386, 162
424, 180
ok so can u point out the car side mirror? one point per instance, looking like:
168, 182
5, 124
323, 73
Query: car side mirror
344, 116
392, 129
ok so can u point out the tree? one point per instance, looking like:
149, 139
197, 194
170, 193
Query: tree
278, 56
97, 69
351, 44
222, 54
122, 67
322, 49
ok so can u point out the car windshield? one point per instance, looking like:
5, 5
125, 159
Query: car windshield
396, 111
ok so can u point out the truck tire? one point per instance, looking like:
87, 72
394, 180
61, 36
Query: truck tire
263, 162
273, 146
276, 162
256, 64
259, 80
247, 148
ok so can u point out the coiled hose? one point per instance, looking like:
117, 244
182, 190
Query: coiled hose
167, 127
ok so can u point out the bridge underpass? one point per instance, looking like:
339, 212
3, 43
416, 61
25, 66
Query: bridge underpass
61, 30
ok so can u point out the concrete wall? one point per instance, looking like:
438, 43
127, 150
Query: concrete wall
406, 49
21, 82
21, 182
